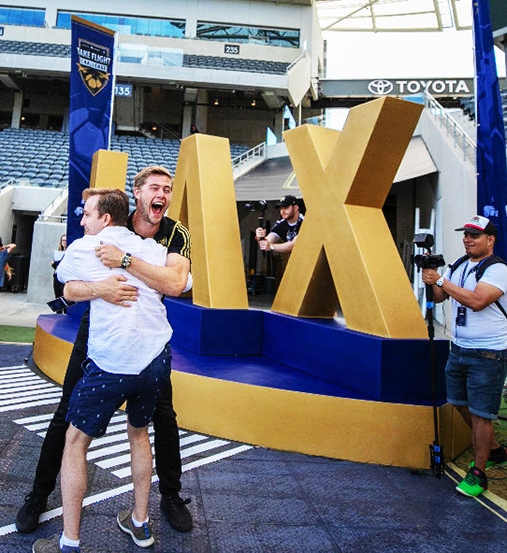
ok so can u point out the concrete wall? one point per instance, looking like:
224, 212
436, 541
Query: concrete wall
456, 193
6, 216
46, 237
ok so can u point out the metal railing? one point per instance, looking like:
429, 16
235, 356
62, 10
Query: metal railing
47, 214
292, 64
15, 182
256, 152
460, 138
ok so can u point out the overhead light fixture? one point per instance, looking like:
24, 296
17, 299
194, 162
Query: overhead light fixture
252, 103
215, 103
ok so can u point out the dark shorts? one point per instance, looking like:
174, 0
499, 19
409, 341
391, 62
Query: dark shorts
475, 378
99, 394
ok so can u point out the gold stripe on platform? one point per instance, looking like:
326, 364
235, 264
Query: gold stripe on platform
339, 428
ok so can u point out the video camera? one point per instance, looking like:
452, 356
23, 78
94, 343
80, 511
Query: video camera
427, 260
257, 205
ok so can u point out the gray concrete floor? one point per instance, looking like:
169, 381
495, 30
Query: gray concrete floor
15, 310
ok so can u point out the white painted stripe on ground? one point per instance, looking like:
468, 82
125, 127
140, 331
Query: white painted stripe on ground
47, 395
27, 375
27, 392
213, 458
118, 448
20, 377
111, 439
48, 401
114, 462
34, 418
196, 449
13, 368
26, 380
192, 439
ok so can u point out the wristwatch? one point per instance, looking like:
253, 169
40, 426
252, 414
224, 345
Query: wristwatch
440, 282
125, 261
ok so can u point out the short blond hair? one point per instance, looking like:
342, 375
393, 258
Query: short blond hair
143, 174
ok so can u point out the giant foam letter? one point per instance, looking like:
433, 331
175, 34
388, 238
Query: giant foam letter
344, 249
203, 198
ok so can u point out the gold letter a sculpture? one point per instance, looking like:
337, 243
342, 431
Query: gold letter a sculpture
345, 252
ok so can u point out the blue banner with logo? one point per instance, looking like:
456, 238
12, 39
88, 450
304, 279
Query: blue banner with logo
91, 95
491, 158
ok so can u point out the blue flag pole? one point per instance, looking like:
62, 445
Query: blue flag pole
90, 115
491, 158
91, 93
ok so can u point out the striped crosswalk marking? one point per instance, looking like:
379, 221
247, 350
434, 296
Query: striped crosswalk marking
20, 389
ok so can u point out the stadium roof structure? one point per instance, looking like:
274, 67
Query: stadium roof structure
394, 15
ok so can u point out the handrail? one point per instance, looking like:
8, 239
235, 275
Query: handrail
293, 63
461, 138
45, 215
167, 131
255, 152
52, 218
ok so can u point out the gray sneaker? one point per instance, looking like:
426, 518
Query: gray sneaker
52, 545
142, 536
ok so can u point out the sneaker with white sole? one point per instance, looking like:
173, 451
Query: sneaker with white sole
142, 535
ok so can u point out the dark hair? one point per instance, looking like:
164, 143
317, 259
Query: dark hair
143, 174
112, 201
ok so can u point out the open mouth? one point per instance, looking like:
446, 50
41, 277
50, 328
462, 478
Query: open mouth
157, 208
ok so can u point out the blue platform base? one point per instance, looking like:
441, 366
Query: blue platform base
360, 365
207, 331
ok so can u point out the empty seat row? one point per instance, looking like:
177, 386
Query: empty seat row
235, 64
35, 48
41, 168
189, 60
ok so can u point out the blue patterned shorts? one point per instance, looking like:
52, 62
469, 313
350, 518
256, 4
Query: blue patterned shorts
98, 394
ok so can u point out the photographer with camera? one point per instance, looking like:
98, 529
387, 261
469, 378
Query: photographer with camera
283, 235
476, 368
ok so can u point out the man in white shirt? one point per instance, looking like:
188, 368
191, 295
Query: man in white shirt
128, 360
476, 368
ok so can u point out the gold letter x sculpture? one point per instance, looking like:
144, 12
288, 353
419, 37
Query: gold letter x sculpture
345, 250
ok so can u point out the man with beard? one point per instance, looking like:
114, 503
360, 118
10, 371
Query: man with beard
152, 191
283, 235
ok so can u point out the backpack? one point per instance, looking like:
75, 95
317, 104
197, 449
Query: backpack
479, 270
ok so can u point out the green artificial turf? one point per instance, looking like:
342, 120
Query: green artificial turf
21, 334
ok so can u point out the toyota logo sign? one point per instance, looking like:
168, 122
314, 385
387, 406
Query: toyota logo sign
380, 87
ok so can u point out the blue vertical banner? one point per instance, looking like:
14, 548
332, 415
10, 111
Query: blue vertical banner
491, 158
91, 103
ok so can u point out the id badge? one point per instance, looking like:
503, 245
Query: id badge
461, 317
